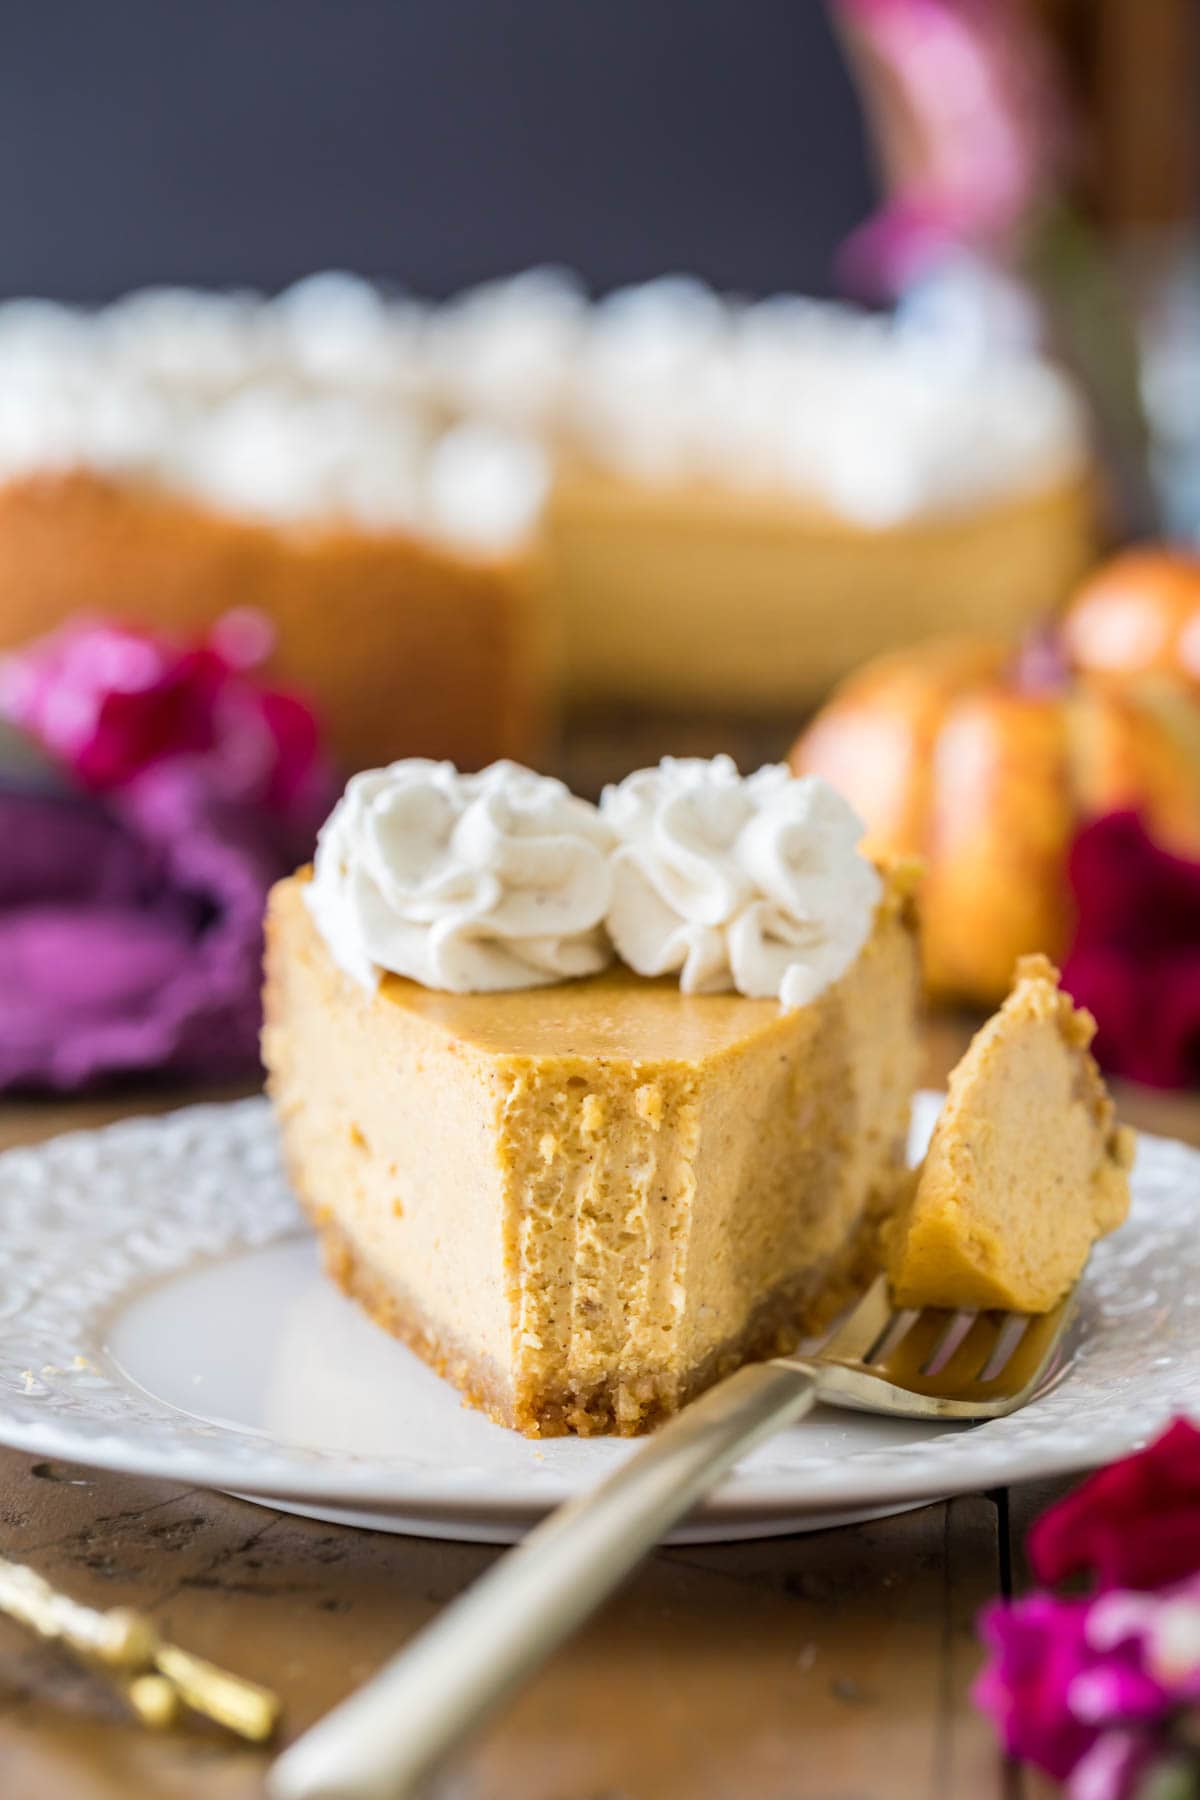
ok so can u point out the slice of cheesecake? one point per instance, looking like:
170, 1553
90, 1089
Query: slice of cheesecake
1026, 1168
584, 1203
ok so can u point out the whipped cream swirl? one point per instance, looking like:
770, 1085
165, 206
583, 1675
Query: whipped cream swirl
470, 883
752, 883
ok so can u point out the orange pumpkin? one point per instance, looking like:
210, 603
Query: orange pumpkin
1139, 615
986, 763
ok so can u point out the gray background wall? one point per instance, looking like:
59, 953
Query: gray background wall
433, 141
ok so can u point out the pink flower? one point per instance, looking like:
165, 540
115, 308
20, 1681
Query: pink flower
1038, 1648
1098, 1691
110, 701
1087, 1689
1134, 1525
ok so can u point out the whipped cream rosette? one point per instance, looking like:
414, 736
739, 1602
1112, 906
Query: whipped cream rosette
469, 883
750, 883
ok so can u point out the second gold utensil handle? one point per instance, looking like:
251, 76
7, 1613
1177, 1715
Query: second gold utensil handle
382, 1742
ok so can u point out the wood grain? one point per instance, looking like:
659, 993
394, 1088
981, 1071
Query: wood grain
832, 1666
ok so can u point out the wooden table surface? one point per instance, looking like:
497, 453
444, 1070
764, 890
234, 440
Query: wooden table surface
829, 1666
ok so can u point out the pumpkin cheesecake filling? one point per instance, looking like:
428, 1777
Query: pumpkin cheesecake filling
584, 1203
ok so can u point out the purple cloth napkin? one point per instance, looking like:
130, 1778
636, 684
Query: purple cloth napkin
160, 789
131, 933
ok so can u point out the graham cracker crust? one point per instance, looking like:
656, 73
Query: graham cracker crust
620, 1405
630, 1407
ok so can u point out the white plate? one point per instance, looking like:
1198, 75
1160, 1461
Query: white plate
161, 1313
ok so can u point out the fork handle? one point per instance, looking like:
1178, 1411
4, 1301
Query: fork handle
381, 1742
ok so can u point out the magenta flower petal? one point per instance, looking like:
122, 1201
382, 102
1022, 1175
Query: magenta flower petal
1113, 1768
1117, 1689
109, 701
1092, 1690
106, 701
1156, 1636
1135, 958
1136, 1524
1038, 1649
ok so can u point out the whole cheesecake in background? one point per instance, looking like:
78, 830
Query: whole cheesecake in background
748, 498
457, 515
580, 1191
179, 454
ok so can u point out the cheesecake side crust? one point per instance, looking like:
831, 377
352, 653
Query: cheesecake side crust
797, 1309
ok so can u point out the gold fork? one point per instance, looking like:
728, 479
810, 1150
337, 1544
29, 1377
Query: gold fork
385, 1740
